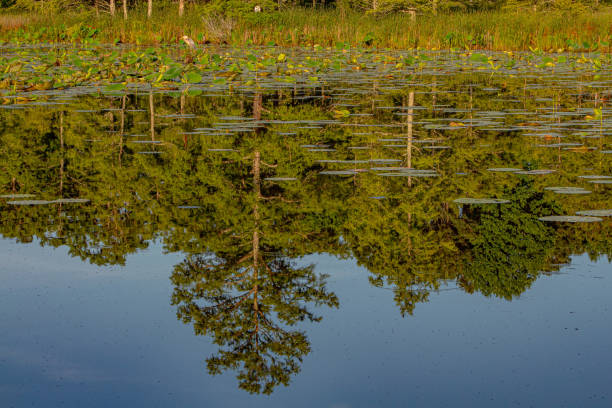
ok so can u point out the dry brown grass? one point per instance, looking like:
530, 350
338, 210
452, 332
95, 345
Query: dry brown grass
219, 28
13, 22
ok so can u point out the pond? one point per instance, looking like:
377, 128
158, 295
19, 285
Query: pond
325, 227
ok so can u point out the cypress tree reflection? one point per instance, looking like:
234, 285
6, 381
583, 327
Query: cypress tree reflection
247, 294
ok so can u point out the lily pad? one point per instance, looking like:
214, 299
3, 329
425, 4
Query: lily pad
595, 213
569, 218
17, 196
477, 201
595, 177
505, 169
29, 202
568, 190
338, 172
280, 178
535, 172
71, 200
410, 173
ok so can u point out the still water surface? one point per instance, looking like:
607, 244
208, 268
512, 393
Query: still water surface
382, 241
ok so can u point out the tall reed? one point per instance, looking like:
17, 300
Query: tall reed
493, 30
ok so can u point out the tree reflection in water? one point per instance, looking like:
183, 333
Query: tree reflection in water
243, 200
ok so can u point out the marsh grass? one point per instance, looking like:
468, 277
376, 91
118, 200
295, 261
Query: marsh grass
13, 22
493, 30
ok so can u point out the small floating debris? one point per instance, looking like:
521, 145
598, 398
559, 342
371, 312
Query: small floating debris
476, 201
569, 218
595, 213
535, 172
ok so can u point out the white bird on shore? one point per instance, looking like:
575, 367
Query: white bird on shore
190, 43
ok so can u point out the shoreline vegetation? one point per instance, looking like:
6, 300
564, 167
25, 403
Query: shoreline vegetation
495, 30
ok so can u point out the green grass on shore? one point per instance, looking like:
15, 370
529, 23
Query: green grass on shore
507, 31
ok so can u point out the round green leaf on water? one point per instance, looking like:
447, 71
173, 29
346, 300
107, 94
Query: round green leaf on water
194, 92
193, 77
114, 87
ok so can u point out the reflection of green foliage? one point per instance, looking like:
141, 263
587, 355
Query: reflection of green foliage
239, 282
237, 307
402, 247
510, 246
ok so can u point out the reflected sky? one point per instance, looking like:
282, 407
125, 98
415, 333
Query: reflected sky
76, 334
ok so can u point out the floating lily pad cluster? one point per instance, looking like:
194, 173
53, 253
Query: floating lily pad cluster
114, 69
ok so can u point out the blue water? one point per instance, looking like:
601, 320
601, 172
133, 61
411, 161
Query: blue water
78, 335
